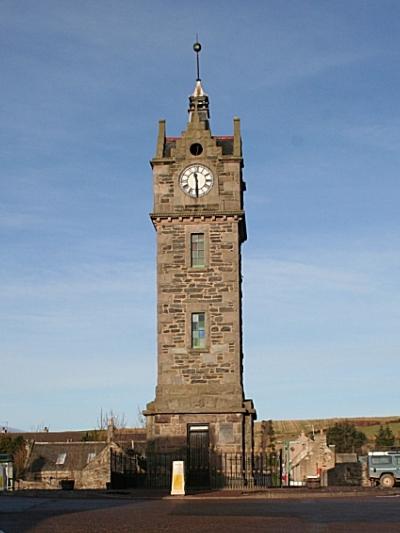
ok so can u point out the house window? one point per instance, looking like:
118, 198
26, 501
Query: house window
91, 456
198, 330
197, 250
61, 458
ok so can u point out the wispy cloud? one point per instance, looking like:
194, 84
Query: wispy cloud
291, 276
381, 135
18, 220
55, 374
300, 64
346, 300
84, 279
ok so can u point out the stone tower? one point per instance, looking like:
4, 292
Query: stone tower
200, 225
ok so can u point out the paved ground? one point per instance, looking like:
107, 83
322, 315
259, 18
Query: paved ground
125, 513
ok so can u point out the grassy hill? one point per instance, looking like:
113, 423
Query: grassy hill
290, 429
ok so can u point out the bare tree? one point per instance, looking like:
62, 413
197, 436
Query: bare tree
39, 428
106, 417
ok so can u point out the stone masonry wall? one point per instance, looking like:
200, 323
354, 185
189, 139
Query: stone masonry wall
215, 290
169, 432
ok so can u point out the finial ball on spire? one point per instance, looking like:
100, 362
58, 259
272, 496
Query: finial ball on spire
197, 48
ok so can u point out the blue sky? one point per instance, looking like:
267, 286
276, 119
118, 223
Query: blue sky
82, 86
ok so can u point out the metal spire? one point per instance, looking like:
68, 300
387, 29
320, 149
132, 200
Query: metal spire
197, 48
198, 102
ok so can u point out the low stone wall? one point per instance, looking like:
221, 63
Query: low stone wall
345, 474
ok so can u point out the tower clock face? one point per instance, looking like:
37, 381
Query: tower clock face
196, 180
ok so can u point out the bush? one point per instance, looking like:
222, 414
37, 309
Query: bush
345, 437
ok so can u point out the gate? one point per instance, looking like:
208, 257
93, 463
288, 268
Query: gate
198, 459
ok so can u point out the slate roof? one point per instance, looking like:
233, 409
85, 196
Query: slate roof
126, 435
123, 436
43, 456
224, 141
51, 436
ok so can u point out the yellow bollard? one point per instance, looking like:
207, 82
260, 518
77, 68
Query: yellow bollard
178, 479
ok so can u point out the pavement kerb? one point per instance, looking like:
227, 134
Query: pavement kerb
285, 494
275, 496
148, 494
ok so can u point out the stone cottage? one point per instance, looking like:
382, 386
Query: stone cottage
308, 457
49, 464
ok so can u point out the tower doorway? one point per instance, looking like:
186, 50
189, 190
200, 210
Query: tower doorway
198, 460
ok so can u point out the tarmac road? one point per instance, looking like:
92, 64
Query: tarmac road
59, 515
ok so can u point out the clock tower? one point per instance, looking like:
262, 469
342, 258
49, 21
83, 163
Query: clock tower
200, 227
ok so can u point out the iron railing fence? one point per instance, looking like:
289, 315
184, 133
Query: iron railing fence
222, 471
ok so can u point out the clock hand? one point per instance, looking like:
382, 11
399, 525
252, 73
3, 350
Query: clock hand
197, 184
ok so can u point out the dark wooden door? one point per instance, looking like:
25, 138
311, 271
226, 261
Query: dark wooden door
198, 461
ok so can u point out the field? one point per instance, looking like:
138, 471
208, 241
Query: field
290, 429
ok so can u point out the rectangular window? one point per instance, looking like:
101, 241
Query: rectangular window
197, 249
61, 458
381, 460
91, 456
198, 330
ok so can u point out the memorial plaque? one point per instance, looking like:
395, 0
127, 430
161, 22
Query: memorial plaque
226, 433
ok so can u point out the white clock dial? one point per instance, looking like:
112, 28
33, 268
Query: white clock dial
196, 180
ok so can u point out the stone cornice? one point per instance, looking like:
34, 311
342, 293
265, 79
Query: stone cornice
170, 160
237, 215
194, 411
162, 161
